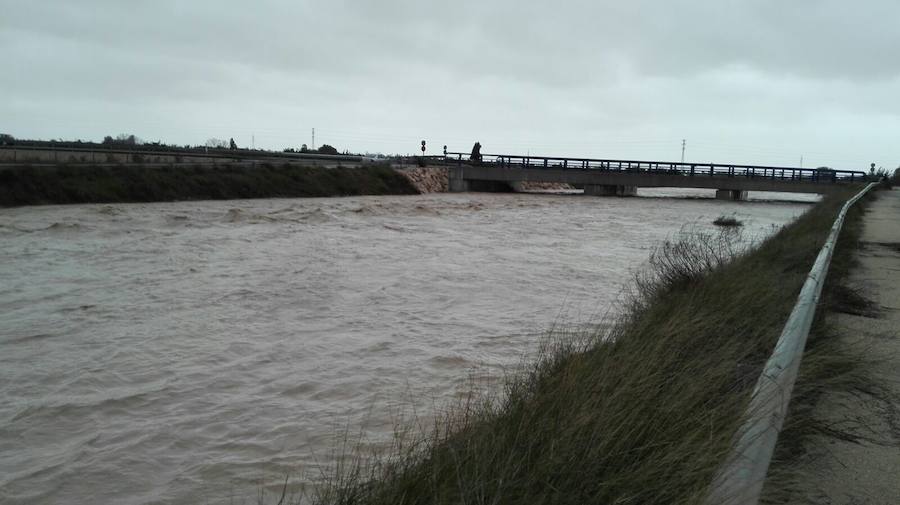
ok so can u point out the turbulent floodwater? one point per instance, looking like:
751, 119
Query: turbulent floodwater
179, 352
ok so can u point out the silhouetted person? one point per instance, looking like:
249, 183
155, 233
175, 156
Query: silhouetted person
476, 153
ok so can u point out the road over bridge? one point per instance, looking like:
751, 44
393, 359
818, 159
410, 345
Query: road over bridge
622, 177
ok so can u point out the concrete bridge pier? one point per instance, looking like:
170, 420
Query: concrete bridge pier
458, 185
457, 182
609, 190
465, 186
731, 194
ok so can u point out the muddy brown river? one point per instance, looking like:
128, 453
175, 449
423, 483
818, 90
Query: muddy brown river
184, 352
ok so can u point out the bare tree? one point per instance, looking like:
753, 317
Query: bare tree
128, 139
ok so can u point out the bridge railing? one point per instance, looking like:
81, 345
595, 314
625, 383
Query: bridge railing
687, 169
99, 153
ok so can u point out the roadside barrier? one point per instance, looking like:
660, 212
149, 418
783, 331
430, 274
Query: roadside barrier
740, 481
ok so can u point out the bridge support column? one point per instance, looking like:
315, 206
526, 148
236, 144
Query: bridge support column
516, 186
731, 194
457, 183
609, 190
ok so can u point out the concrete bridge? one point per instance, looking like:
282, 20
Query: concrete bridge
499, 172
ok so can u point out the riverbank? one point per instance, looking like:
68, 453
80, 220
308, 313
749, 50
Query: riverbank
64, 184
850, 449
642, 410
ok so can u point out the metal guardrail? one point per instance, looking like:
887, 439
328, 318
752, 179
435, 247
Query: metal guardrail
220, 164
741, 481
95, 153
666, 167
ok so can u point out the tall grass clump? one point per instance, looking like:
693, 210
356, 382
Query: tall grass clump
642, 410
727, 221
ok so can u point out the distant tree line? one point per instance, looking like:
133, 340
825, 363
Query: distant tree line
324, 149
133, 142
120, 141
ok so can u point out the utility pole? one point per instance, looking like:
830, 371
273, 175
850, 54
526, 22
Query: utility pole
801, 161
683, 144
253, 141
313, 146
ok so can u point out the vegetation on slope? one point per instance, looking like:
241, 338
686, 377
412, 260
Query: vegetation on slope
640, 411
136, 183
727, 221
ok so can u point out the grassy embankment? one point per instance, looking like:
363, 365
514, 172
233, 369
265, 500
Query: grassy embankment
136, 183
641, 411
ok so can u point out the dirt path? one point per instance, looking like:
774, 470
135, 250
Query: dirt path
867, 473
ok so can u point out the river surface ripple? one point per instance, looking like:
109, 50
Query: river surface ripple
178, 352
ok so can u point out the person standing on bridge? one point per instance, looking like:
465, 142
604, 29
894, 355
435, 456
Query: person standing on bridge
475, 157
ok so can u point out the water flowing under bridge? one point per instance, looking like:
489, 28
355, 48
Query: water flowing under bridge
604, 177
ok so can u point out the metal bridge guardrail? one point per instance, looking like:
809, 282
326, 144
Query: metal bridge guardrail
665, 167
95, 153
741, 480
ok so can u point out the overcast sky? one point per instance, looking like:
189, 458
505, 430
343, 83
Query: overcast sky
764, 81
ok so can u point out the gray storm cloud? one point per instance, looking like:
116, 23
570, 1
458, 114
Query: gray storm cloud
755, 81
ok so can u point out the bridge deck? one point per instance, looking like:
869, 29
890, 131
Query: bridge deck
632, 173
